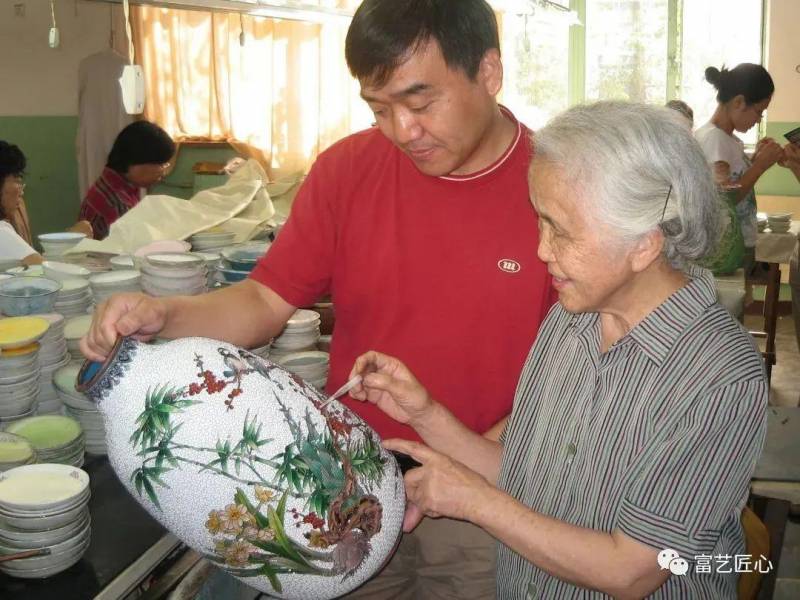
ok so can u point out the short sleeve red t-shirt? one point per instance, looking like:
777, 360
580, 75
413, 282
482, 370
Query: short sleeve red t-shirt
440, 272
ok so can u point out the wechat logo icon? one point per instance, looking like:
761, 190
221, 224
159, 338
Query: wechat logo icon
670, 560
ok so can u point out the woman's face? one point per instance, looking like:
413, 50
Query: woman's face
745, 116
146, 175
590, 268
11, 194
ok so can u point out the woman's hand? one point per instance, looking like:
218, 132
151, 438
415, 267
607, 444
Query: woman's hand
791, 156
767, 153
83, 227
392, 387
137, 315
441, 487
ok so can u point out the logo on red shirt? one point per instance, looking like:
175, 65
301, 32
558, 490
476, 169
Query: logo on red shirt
508, 265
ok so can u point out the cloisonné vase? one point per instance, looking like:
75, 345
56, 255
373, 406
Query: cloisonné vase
234, 455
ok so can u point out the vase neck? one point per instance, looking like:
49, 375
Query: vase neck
97, 379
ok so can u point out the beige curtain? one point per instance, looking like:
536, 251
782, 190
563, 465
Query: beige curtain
282, 97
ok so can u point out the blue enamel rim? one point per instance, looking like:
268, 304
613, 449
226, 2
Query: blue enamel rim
91, 371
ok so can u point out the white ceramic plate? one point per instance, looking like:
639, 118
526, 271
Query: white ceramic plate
42, 487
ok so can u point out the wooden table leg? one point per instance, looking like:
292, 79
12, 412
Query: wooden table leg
771, 299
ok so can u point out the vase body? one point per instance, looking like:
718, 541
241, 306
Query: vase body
235, 456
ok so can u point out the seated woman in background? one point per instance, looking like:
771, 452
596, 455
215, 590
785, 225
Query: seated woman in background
15, 234
743, 94
138, 159
641, 410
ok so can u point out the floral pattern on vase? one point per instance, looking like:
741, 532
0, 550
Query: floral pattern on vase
233, 454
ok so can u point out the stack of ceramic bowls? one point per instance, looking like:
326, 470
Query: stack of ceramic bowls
61, 271
78, 406
239, 261
44, 506
761, 221
211, 239
262, 351
15, 451
56, 438
311, 366
213, 261
56, 244
53, 355
74, 329
173, 274
75, 298
114, 282
29, 271
300, 334
19, 365
779, 223
123, 262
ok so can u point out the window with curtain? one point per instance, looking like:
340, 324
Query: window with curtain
626, 50
641, 50
278, 90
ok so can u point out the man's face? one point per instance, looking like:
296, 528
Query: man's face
436, 115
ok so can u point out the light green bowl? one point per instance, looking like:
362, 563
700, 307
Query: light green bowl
14, 449
47, 431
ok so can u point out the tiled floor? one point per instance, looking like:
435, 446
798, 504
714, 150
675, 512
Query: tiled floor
786, 392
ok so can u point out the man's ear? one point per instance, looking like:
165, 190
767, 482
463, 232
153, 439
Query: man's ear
490, 71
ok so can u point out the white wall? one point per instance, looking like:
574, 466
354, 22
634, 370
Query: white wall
782, 58
37, 80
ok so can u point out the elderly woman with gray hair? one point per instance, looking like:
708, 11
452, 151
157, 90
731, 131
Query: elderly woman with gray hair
640, 413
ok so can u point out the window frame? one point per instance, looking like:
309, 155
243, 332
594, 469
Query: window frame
577, 52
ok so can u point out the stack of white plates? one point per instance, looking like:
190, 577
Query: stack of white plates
74, 329
53, 355
211, 239
56, 438
114, 282
213, 261
761, 221
44, 506
173, 274
311, 366
123, 262
300, 334
15, 451
61, 271
56, 244
78, 406
779, 223
262, 351
30, 271
74, 298
19, 382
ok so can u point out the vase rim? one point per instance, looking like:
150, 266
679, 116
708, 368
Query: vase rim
84, 386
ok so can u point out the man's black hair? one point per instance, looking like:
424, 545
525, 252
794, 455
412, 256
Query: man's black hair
384, 33
140, 143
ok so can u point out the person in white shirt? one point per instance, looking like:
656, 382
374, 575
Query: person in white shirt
743, 94
12, 167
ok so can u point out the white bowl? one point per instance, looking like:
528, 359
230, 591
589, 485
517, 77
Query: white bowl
42, 489
39, 539
61, 270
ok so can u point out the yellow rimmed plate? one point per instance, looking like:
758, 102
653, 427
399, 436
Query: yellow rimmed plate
18, 332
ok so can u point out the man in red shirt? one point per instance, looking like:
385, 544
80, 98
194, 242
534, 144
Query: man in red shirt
422, 230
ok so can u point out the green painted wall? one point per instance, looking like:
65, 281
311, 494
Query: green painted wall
778, 181
51, 191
